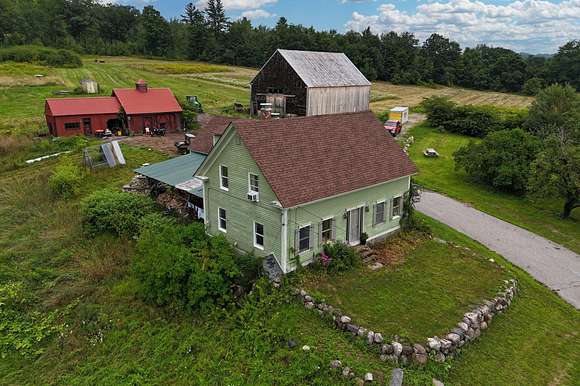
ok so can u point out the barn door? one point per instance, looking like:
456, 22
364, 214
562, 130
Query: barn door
278, 102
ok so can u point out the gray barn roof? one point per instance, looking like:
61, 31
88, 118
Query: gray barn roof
324, 69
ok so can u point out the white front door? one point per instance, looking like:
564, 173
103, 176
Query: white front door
354, 226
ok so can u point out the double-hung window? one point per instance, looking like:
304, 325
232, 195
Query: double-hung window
258, 235
224, 178
379, 213
326, 230
304, 239
254, 183
222, 220
397, 207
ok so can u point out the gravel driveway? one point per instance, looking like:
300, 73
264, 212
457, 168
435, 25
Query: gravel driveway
550, 263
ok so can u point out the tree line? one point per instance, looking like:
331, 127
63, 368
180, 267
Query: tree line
90, 27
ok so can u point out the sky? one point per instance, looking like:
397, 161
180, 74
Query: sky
532, 26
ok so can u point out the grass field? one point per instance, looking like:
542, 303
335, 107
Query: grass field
439, 174
414, 299
22, 95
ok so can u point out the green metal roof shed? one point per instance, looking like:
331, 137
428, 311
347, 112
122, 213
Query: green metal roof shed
177, 172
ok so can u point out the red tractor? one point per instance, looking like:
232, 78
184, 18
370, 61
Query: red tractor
393, 127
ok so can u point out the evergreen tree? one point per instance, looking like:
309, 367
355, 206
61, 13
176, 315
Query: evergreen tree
197, 31
154, 33
216, 17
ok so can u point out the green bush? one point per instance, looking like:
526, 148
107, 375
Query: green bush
41, 55
501, 160
65, 181
339, 257
181, 267
474, 121
108, 211
533, 86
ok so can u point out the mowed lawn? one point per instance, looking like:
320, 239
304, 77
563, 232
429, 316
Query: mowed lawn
425, 295
439, 174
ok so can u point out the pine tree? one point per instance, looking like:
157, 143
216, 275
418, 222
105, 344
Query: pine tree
216, 17
197, 31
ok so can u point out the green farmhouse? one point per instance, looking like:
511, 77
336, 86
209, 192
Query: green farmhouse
282, 188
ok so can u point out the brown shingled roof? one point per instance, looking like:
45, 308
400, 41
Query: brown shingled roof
310, 158
210, 125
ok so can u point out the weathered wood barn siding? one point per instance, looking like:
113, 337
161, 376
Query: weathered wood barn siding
313, 83
278, 77
334, 100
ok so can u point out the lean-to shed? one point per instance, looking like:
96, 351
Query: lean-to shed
305, 83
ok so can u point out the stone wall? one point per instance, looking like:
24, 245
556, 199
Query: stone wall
435, 348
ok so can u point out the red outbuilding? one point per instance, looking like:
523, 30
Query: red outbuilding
134, 109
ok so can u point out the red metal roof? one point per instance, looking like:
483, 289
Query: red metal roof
154, 100
60, 107
310, 158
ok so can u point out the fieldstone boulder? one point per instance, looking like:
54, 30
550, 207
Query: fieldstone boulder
440, 357
345, 319
306, 348
473, 318
437, 382
309, 305
384, 357
470, 333
434, 343
419, 349
454, 338
303, 293
368, 377
397, 377
387, 349
378, 337
335, 364
346, 372
477, 332
361, 332
445, 344
483, 325
463, 326
307, 298
370, 337
407, 350
397, 348
352, 328
420, 359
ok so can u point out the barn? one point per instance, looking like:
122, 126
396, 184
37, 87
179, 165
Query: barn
135, 109
304, 83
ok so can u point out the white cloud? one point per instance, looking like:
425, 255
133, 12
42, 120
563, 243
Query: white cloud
240, 4
524, 25
257, 14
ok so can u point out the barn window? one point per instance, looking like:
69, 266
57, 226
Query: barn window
72, 126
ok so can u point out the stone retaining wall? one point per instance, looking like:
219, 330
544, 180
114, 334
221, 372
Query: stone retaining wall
436, 348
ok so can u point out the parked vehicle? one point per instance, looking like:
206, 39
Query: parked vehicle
393, 127
431, 153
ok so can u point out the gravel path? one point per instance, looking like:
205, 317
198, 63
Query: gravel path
550, 263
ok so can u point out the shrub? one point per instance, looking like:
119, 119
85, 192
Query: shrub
65, 181
108, 211
533, 86
41, 55
180, 266
501, 160
339, 257
474, 121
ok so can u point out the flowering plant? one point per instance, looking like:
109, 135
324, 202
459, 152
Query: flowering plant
325, 259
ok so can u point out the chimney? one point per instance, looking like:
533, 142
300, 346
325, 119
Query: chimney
141, 85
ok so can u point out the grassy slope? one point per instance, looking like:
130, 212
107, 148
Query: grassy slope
42, 246
439, 174
534, 343
416, 299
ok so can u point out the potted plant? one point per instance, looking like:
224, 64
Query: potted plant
363, 238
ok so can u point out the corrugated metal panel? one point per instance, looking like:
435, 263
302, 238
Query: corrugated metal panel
324, 69
175, 171
336, 100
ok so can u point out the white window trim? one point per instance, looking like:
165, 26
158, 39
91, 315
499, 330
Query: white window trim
250, 190
219, 220
221, 180
309, 239
256, 245
385, 207
393, 207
